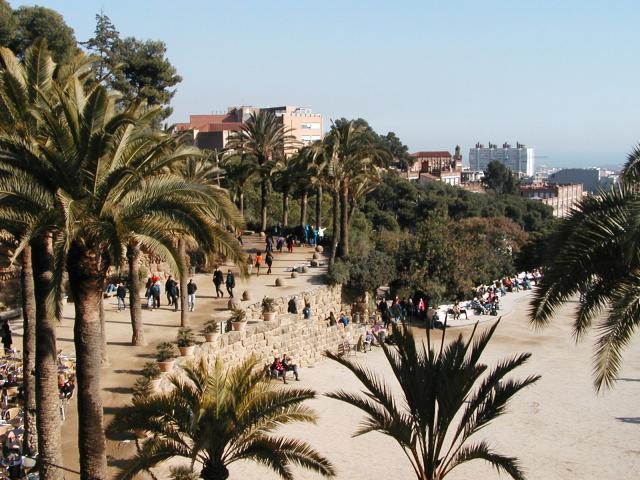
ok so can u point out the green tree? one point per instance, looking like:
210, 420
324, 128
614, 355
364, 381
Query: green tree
238, 171
264, 138
104, 46
447, 397
35, 22
215, 417
111, 197
398, 150
7, 24
145, 73
593, 254
500, 179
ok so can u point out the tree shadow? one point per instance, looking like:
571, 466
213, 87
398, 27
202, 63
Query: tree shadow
628, 379
126, 390
122, 344
633, 420
128, 371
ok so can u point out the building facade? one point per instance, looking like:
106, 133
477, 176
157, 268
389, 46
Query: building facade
560, 197
437, 166
588, 177
213, 131
519, 159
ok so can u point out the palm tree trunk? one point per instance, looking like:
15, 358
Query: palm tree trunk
214, 471
135, 308
184, 311
87, 272
285, 209
47, 413
303, 208
30, 437
336, 225
319, 206
263, 207
344, 218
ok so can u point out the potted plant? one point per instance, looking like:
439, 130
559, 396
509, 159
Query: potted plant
238, 319
151, 371
268, 309
166, 356
186, 341
211, 331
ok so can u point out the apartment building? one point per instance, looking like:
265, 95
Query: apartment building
213, 131
519, 159
437, 166
561, 197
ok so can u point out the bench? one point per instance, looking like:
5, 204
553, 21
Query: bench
346, 348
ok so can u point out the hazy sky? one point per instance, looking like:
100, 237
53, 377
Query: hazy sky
561, 76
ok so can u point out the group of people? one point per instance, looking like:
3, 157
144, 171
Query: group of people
280, 367
218, 280
172, 291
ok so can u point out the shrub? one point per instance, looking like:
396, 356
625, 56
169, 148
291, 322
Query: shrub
338, 274
238, 315
142, 388
165, 352
185, 337
151, 370
211, 327
268, 305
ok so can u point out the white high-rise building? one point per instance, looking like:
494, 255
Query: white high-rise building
520, 159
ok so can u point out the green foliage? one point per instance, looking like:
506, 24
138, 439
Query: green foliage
500, 179
215, 416
238, 315
446, 259
35, 22
142, 388
183, 473
211, 326
268, 305
399, 151
104, 46
447, 396
363, 273
151, 370
185, 337
338, 273
7, 24
165, 351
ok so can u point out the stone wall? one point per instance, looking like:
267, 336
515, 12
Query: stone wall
303, 340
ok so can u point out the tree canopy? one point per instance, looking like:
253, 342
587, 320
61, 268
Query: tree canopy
500, 179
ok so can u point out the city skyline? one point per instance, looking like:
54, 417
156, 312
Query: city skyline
558, 78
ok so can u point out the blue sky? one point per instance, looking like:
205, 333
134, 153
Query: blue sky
561, 76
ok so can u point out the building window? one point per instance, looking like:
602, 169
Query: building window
310, 126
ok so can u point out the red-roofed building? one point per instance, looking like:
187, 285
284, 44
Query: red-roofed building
437, 166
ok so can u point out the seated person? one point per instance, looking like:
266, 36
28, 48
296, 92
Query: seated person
277, 369
432, 316
290, 367
292, 306
111, 289
379, 331
307, 311
344, 320
332, 319
367, 340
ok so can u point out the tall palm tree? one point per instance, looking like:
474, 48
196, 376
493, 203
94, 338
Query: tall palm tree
238, 170
215, 417
446, 399
24, 87
265, 138
111, 199
595, 253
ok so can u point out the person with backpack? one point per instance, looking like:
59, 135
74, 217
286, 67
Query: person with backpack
155, 293
191, 294
170, 290
230, 283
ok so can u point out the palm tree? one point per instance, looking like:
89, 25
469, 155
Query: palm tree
24, 87
215, 417
594, 253
265, 138
110, 200
446, 399
238, 170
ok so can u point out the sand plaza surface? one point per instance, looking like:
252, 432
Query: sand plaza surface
559, 428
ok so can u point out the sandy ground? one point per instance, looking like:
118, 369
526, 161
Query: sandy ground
559, 428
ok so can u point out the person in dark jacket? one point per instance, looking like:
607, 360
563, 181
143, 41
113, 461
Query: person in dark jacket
121, 294
230, 283
191, 294
7, 337
218, 279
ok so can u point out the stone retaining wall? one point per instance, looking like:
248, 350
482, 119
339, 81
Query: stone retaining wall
303, 340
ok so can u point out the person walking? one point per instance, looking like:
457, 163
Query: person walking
7, 337
191, 294
259, 261
218, 278
121, 293
230, 283
269, 261
155, 293
250, 263
290, 243
269, 246
169, 290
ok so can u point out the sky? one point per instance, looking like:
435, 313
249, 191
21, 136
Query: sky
559, 76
